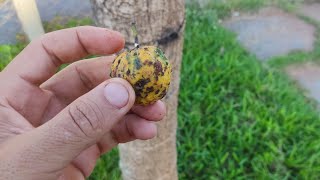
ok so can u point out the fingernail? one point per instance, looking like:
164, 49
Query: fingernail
116, 94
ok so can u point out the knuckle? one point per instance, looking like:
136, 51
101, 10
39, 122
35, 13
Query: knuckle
86, 79
87, 116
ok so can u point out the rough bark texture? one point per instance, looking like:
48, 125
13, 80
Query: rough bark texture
159, 22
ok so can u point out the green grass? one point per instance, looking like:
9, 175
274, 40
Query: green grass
107, 167
8, 52
61, 22
237, 118
249, 122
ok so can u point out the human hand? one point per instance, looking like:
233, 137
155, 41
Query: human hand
55, 126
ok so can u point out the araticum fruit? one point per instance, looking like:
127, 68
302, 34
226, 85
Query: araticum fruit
148, 71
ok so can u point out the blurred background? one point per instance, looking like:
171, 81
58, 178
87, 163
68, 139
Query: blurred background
49, 10
250, 83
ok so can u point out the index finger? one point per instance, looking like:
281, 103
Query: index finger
41, 58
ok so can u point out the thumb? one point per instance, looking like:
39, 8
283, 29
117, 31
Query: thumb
77, 127
87, 119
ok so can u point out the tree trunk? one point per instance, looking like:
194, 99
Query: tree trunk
161, 23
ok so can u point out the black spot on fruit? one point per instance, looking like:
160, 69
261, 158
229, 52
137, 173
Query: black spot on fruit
133, 75
165, 68
157, 91
118, 63
158, 69
162, 94
149, 89
143, 95
128, 72
148, 63
139, 86
141, 83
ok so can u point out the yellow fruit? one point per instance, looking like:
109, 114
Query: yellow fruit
147, 70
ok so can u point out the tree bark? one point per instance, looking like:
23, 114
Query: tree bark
161, 23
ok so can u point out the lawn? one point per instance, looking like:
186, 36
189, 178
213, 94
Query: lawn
250, 121
238, 119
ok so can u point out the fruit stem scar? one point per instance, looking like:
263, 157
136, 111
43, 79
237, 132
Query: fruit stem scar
135, 34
